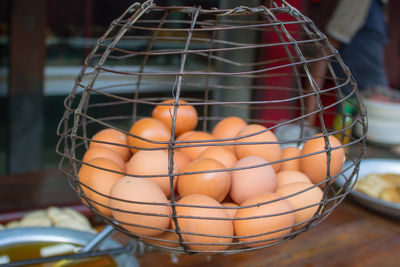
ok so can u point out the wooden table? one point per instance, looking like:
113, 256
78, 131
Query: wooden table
351, 236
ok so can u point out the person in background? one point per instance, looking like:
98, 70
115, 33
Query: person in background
358, 30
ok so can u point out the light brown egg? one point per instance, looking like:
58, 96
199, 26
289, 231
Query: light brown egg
226, 156
213, 184
99, 180
151, 162
186, 117
264, 225
118, 139
228, 128
248, 183
316, 166
300, 200
204, 226
150, 129
193, 152
141, 190
293, 164
269, 152
180, 160
103, 152
288, 177
231, 212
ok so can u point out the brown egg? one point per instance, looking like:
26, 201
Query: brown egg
288, 177
315, 166
213, 184
151, 130
180, 160
192, 226
256, 226
103, 152
193, 152
269, 152
228, 128
226, 156
183, 135
251, 182
99, 180
292, 164
231, 212
141, 190
186, 117
165, 238
301, 200
118, 139
151, 162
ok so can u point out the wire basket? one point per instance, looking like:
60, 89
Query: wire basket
211, 61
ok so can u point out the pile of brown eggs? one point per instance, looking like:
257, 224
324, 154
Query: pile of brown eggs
233, 185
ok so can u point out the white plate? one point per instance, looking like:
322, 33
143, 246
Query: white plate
368, 166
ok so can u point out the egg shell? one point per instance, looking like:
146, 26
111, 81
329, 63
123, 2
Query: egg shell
152, 162
151, 130
193, 152
164, 238
100, 181
287, 177
213, 184
226, 156
186, 116
248, 183
141, 190
269, 152
300, 200
192, 226
103, 152
228, 128
246, 228
180, 160
231, 212
316, 166
290, 164
118, 139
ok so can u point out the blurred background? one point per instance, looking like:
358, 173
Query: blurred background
43, 44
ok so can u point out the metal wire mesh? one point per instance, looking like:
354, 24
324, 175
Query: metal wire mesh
188, 53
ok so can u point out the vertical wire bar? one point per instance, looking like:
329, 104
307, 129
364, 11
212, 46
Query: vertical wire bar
172, 140
144, 63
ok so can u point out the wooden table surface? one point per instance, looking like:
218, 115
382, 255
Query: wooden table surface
351, 236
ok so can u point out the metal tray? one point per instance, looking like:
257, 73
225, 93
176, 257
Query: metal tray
367, 166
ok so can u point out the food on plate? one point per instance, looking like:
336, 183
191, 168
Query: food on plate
290, 164
249, 225
228, 128
128, 190
213, 184
152, 162
268, 149
54, 217
316, 166
186, 116
146, 133
118, 142
384, 186
99, 180
247, 183
191, 227
311, 196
